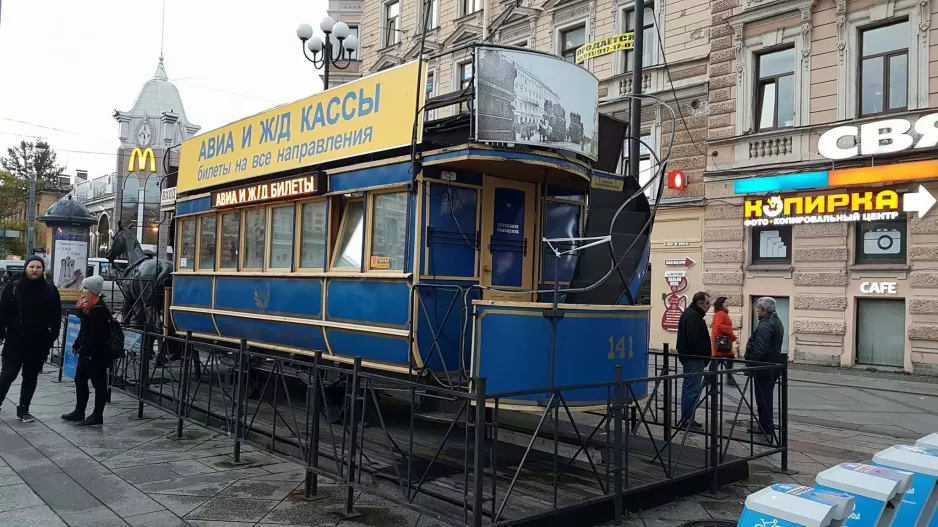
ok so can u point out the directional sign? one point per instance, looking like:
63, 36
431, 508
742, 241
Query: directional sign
685, 262
921, 201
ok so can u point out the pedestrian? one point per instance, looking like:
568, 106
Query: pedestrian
91, 345
30, 320
765, 346
723, 337
694, 349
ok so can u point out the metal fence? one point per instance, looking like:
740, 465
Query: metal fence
463, 455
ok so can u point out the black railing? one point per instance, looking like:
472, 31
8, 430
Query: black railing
459, 453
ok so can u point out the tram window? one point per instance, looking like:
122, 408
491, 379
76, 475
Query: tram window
255, 236
281, 239
387, 236
187, 252
313, 235
351, 236
230, 237
207, 234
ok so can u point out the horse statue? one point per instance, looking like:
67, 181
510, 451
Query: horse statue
141, 283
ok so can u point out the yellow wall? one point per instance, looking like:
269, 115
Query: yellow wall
674, 226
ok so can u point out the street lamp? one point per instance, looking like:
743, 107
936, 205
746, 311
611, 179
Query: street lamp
38, 150
312, 42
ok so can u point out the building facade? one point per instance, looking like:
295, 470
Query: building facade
348, 68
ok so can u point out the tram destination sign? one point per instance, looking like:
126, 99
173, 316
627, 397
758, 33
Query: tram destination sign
278, 189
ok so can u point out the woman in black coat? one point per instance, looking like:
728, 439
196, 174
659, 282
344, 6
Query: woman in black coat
92, 349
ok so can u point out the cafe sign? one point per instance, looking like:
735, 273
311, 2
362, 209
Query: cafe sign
836, 207
279, 189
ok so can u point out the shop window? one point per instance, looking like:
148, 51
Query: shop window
348, 254
187, 249
649, 34
255, 238
281, 237
884, 69
389, 221
313, 235
570, 41
207, 233
775, 90
880, 332
230, 240
771, 245
392, 22
881, 242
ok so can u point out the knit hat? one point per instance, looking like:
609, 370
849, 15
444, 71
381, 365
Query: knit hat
94, 284
35, 258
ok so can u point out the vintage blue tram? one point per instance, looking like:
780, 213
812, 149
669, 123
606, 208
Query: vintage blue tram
419, 248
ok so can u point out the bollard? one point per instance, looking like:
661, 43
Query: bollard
353, 438
311, 481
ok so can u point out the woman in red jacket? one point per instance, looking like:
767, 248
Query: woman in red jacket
723, 327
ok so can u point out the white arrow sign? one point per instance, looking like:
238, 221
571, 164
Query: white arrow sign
921, 201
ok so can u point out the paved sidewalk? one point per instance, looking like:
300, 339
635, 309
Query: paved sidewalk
133, 472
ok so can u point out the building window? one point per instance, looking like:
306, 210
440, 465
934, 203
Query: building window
281, 239
187, 250
570, 40
230, 240
471, 6
434, 21
313, 235
775, 90
388, 234
646, 167
348, 253
255, 238
207, 233
881, 242
649, 36
884, 69
392, 23
431, 85
880, 332
352, 30
465, 79
771, 245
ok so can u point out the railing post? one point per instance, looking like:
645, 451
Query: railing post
239, 391
353, 438
617, 447
142, 382
183, 384
312, 478
667, 394
714, 382
783, 418
478, 468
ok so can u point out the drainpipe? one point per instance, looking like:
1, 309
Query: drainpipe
485, 20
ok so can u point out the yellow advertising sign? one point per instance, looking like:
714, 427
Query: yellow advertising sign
142, 162
369, 115
605, 46
824, 208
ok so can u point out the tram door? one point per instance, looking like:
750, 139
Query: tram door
508, 244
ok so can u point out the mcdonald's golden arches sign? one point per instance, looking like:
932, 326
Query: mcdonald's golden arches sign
142, 161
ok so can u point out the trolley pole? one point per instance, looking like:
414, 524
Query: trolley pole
635, 115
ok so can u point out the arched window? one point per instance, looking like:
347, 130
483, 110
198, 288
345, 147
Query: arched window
130, 202
151, 211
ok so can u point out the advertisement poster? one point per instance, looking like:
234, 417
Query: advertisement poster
69, 261
70, 359
675, 302
519, 101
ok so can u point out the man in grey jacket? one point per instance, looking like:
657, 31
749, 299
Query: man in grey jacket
765, 345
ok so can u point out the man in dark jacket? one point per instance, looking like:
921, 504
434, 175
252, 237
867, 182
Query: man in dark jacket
693, 347
765, 345
30, 320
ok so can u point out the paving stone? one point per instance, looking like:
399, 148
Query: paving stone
189, 467
232, 509
62, 493
201, 485
723, 510
683, 510
265, 490
178, 504
6, 481
18, 497
206, 523
98, 517
120, 496
156, 519
297, 511
136, 475
39, 516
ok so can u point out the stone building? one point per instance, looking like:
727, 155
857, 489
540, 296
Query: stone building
350, 12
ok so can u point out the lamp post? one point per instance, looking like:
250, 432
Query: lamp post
312, 42
33, 174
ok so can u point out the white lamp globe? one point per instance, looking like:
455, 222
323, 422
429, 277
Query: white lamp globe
304, 32
327, 24
314, 44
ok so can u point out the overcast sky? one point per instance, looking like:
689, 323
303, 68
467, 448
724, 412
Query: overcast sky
65, 66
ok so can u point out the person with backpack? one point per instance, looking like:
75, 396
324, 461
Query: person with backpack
94, 354
30, 321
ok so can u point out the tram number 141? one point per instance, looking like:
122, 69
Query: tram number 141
617, 348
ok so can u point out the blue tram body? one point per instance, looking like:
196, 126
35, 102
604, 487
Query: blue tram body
428, 271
